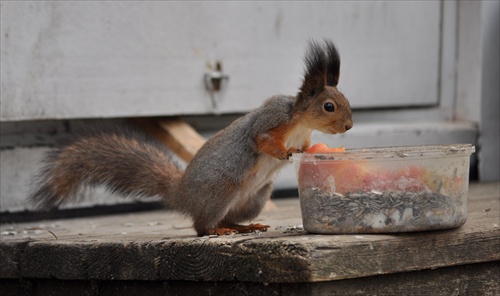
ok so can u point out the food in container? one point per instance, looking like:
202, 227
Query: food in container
392, 189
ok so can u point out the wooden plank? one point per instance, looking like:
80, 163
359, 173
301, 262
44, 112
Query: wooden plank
175, 133
162, 246
475, 279
185, 140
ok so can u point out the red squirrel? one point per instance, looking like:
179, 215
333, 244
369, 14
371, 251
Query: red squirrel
229, 179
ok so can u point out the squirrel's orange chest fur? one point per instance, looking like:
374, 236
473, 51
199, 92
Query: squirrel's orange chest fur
298, 137
266, 166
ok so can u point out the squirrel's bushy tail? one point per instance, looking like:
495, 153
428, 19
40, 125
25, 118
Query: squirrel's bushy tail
126, 162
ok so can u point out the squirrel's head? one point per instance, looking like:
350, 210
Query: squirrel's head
322, 105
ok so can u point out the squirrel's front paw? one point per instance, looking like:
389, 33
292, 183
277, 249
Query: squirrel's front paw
280, 154
292, 151
283, 154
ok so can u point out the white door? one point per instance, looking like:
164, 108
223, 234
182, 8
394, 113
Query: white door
80, 59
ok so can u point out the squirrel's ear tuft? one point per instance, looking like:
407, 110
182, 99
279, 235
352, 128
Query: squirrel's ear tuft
333, 64
315, 73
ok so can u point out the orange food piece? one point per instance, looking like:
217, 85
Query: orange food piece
316, 175
323, 148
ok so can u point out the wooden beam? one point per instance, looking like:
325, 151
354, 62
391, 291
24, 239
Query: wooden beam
175, 133
186, 141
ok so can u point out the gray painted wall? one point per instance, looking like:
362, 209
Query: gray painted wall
421, 72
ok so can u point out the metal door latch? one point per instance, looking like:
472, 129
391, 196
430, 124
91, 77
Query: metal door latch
214, 81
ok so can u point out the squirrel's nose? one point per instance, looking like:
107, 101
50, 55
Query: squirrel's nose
348, 126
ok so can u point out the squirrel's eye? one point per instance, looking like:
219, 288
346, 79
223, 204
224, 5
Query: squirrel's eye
329, 107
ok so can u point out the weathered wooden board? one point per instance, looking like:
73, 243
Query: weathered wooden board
475, 279
162, 246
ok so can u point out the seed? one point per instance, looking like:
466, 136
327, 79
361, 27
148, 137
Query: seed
402, 211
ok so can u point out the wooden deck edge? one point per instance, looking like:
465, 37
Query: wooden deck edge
285, 260
474, 279
407, 253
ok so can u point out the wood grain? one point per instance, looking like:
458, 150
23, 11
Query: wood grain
175, 133
160, 246
185, 140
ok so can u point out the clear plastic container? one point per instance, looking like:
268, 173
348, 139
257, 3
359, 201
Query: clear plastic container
384, 190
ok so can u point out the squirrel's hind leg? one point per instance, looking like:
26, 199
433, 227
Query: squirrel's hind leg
229, 224
250, 210
237, 228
